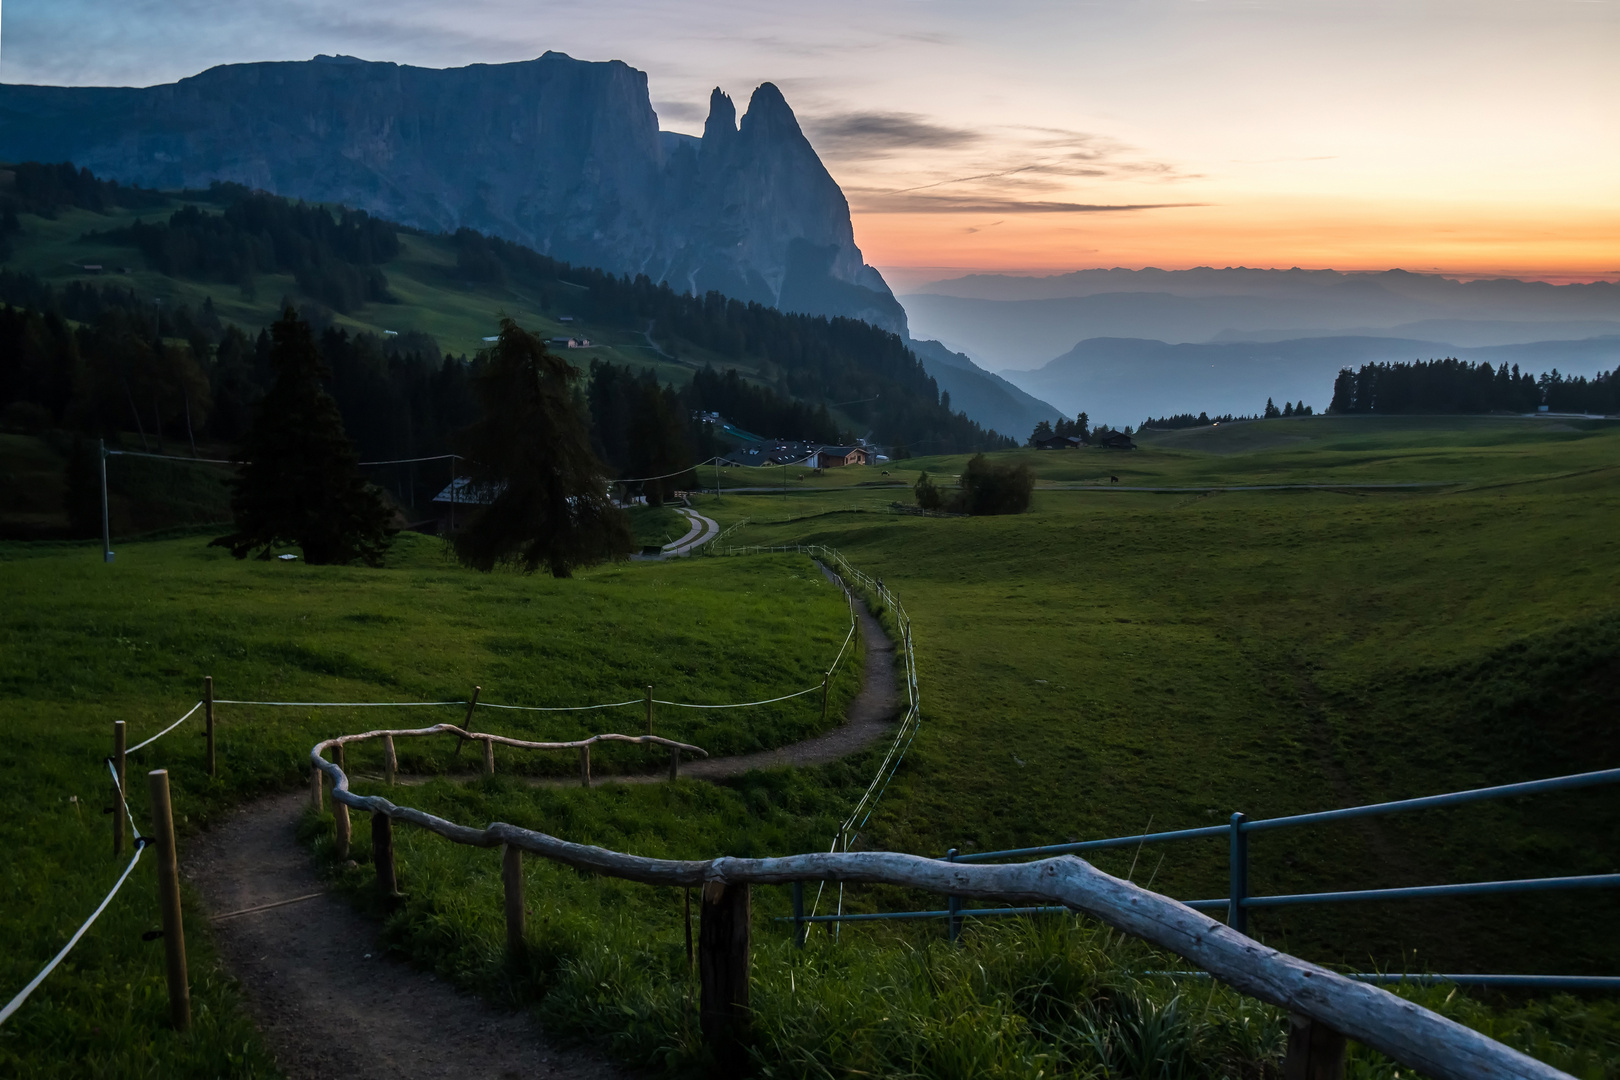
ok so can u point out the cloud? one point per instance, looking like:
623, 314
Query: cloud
680, 111
870, 133
882, 202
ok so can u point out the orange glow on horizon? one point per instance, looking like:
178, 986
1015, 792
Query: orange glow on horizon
1563, 245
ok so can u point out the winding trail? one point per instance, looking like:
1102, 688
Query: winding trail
324, 991
332, 1002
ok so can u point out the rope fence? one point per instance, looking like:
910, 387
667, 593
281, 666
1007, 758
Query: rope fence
140, 845
166, 730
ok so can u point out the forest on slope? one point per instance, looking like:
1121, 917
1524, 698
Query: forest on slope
131, 314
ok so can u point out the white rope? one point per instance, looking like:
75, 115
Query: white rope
166, 730
847, 639
139, 841
22, 995
134, 830
339, 704
561, 708
739, 705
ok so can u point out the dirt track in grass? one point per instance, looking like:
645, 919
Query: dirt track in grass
331, 1001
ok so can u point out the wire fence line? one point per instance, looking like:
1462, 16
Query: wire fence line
910, 721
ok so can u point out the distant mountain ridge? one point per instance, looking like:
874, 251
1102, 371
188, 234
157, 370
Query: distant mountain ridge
559, 154
1122, 380
987, 398
1013, 322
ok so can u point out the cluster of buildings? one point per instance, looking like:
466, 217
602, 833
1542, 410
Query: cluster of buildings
1108, 440
807, 455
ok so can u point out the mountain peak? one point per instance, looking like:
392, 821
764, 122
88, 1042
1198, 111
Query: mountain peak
769, 113
558, 153
722, 122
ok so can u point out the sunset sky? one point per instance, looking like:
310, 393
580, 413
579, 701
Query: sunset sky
1471, 136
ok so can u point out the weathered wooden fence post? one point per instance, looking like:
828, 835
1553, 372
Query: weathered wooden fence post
1237, 915
382, 853
390, 759
585, 765
208, 720
317, 794
118, 794
649, 711
674, 764
340, 810
512, 879
1315, 1051
168, 872
826, 677
723, 960
489, 757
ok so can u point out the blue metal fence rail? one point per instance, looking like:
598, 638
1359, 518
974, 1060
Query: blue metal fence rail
1238, 902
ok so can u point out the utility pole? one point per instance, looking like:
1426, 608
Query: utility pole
106, 527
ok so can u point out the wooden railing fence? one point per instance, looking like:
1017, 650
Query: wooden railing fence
1342, 1007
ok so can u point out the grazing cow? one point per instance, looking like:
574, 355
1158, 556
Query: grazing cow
1113, 479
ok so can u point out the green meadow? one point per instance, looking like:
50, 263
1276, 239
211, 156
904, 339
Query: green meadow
1108, 663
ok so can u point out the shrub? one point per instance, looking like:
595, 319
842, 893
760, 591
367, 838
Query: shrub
928, 496
988, 488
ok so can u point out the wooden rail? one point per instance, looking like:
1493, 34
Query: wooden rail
490, 741
1410, 1034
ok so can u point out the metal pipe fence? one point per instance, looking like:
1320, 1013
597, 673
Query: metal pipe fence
1238, 903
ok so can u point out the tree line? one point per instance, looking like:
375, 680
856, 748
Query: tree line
867, 373
94, 361
335, 260
1457, 386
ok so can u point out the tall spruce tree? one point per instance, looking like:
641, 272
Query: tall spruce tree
298, 482
530, 451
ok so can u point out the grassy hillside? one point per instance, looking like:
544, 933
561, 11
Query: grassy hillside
459, 314
1107, 663
83, 644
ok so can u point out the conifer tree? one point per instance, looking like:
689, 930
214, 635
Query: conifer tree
298, 482
530, 452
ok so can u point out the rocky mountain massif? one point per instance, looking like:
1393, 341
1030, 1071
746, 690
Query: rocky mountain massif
562, 155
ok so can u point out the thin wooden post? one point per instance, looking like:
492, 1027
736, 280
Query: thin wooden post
674, 764
489, 757
723, 961
825, 679
799, 925
208, 720
649, 710
382, 853
317, 794
687, 894
168, 872
1315, 1051
512, 879
340, 814
466, 725
390, 760
585, 765
118, 794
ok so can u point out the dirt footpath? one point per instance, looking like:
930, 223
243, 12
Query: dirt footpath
330, 1003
